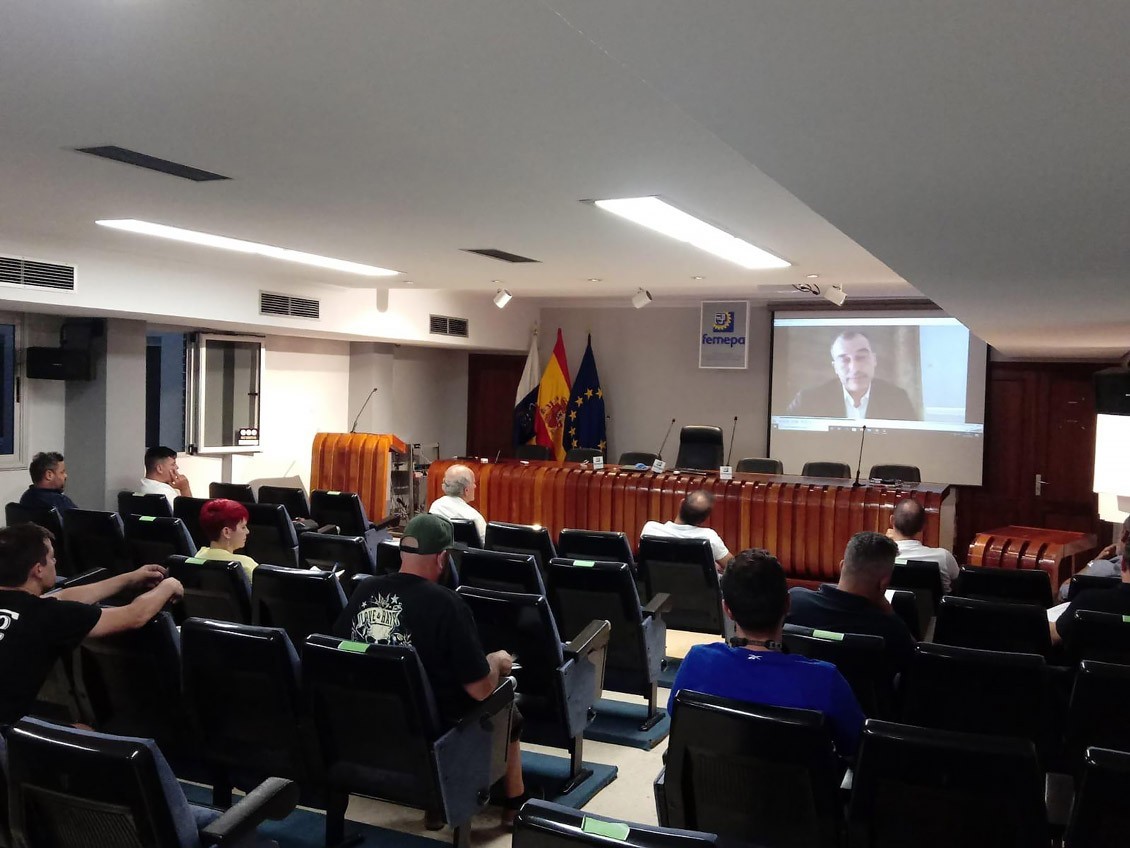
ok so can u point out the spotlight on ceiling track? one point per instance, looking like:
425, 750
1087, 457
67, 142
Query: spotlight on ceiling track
641, 299
834, 294
501, 298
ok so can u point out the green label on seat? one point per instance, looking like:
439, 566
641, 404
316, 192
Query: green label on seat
829, 635
148, 517
356, 647
584, 563
196, 560
1126, 619
612, 830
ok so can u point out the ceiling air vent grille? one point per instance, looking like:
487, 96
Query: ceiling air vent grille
271, 303
28, 272
444, 325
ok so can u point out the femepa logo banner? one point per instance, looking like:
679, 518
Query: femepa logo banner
724, 328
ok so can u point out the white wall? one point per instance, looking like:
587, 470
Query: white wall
648, 364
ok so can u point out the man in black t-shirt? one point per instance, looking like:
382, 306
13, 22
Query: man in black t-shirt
410, 608
35, 631
1115, 600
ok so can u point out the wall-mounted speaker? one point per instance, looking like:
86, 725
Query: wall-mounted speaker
56, 363
1112, 391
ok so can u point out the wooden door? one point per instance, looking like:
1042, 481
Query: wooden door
492, 381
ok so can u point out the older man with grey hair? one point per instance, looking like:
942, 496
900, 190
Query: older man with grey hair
458, 488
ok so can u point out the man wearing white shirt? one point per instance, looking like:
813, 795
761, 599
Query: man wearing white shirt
162, 477
458, 488
907, 521
693, 513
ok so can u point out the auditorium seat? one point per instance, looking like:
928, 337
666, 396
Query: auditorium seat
603, 545
533, 452
188, 511
212, 589
558, 683
1096, 714
860, 658
273, 539
152, 539
1015, 585
992, 626
582, 454
1100, 817
388, 556
902, 473
348, 554
840, 470
521, 539
293, 498
342, 509
131, 503
638, 458
1082, 582
685, 570
96, 539
500, 571
760, 465
932, 788
1102, 636
541, 824
300, 602
49, 519
700, 448
72, 787
381, 736
752, 774
239, 492
465, 532
904, 604
581, 591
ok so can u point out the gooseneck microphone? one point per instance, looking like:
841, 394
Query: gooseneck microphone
362, 409
667, 436
859, 462
733, 430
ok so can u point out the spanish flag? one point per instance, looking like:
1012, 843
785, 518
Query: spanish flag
553, 401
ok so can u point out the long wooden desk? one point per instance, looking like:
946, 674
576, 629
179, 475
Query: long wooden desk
805, 521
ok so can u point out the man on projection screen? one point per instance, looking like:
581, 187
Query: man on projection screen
855, 393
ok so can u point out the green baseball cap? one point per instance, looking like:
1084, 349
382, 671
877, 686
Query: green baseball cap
427, 534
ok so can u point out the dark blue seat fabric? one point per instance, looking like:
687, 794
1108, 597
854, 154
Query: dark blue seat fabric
96, 539
605, 546
188, 511
131, 503
521, 539
273, 538
685, 570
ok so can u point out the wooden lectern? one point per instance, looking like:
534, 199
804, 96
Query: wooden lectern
364, 463
1058, 552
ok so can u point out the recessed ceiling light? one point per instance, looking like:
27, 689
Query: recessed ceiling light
658, 215
148, 228
698, 278
409, 282
812, 276
595, 280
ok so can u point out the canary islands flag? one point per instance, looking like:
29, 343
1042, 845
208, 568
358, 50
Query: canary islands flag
553, 400
526, 399
585, 425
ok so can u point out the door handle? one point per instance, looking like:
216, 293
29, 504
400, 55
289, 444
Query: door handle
1040, 483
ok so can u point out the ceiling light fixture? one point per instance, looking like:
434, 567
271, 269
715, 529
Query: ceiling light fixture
641, 299
594, 279
658, 215
698, 278
812, 276
148, 228
501, 298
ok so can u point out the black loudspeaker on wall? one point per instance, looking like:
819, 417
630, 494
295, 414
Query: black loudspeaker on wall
56, 363
1112, 391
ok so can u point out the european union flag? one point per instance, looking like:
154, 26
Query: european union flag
585, 422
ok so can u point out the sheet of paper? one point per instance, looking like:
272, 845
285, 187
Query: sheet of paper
889, 595
1056, 611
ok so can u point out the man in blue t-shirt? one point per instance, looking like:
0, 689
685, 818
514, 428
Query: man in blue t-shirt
755, 595
48, 480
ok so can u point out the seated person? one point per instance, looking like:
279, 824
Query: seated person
857, 604
693, 513
410, 608
35, 631
458, 488
752, 668
907, 522
1107, 564
162, 476
224, 523
1116, 600
48, 480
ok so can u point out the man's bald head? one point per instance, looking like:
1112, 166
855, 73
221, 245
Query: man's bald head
909, 518
457, 480
696, 507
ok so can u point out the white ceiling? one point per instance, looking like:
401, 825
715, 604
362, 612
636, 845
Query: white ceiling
978, 149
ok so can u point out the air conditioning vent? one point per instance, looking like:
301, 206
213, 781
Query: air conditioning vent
445, 325
500, 255
152, 163
271, 303
27, 272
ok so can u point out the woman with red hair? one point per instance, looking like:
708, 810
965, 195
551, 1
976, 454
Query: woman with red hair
224, 523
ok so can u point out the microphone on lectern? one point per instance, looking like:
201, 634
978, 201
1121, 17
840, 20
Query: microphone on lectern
662, 446
362, 409
733, 430
859, 463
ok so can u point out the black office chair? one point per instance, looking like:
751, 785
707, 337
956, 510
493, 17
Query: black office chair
933, 788
188, 511
580, 591
300, 602
759, 465
465, 532
347, 554
839, 470
638, 458
1015, 585
152, 539
606, 546
521, 539
1096, 714
73, 787
213, 589
130, 503
860, 658
1100, 817
50, 519
500, 571
992, 626
272, 539
685, 570
380, 735
1102, 636
582, 454
541, 824
753, 774
1083, 582
901, 473
700, 448
96, 540
558, 683
533, 452
239, 492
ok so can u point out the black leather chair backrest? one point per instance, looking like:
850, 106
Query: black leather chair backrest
1103, 636
683, 568
96, 540
521, 539
273, 539
638, 457
902, 473
582, 454
240, 492
343, 509
757, 774
294, 499
130, 503
502, 572
212, 588
532, 452
700, 448
465, 532
759, 465
188, 511
921, 577
904, 604
921, 786
1100, 816
1096, 714
992, 626
839, 470
1082, 582
49, 518
328, 552
603, 545
388, 556
860, 658
1015, 585
300, 602
153, 539
541, 824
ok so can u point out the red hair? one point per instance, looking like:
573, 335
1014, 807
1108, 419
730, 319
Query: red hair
220, 513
